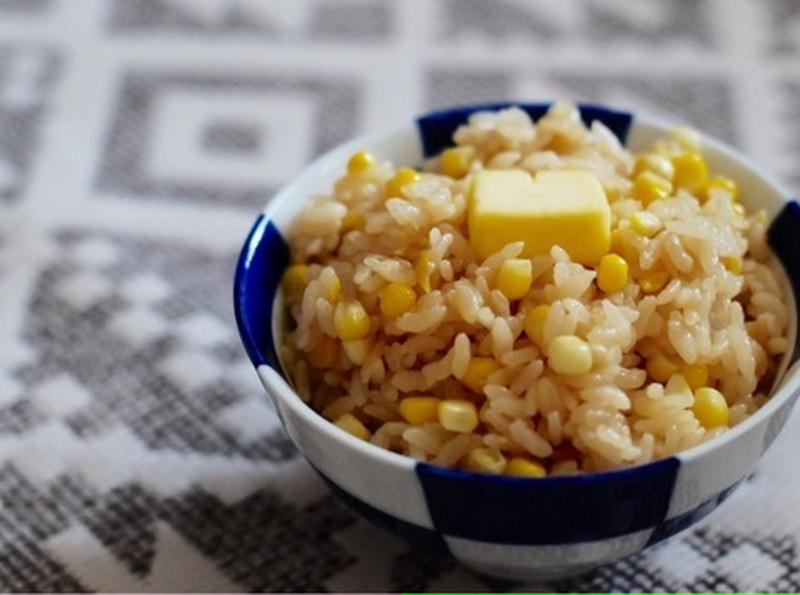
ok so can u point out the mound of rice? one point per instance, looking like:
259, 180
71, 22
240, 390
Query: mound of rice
721, 310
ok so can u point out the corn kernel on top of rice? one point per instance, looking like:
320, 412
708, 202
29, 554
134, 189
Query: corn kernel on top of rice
529, 362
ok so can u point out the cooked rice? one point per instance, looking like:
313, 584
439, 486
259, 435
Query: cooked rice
613, 416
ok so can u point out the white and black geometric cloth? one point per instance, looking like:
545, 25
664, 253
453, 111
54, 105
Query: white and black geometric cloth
138, 140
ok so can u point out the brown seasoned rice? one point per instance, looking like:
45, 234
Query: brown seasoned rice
732, 323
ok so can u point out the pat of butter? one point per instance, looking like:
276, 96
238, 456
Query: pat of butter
565, 208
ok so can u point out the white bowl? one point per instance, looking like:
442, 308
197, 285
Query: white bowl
503, 526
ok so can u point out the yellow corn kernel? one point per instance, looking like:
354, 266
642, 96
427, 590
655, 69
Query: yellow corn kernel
397, 299
724, 184
353, 220
520, 467
403, 177
653, 281
710, 407
455, 161
621, 247
514, 278
325, 353
458, 415
424, 270
696, 375
612, 193
352, 425
478, 370
485, 460
612, 273
357, 350
351, 320
687, 138
739, 210
360, 161
660, 368
645, 224
759, 217
691, 171
617, 244
534, 323
334, 290
648, 187
562, 143
733, 263
658, 164
419, 410
295, 280
569, 355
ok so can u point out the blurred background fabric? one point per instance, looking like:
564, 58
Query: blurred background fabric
138, 141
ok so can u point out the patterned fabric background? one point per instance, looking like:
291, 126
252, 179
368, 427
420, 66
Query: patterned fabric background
138, 140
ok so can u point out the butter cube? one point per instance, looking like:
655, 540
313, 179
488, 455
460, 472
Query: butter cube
564, 208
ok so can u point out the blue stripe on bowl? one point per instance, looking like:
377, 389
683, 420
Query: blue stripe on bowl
417, 536
436, 129
683, 521
555, 510
783, 236
263, 260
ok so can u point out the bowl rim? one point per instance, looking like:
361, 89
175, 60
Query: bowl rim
782, 394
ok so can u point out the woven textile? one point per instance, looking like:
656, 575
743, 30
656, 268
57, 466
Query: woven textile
138, 141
